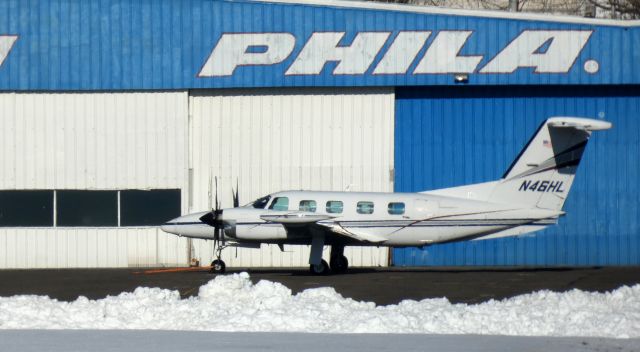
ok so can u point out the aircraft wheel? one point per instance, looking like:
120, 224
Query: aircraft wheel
320, 269
339, 264
218, 266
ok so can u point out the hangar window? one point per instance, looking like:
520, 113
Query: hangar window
396, 208
308, 205
365, 208
152, 207
26, 208
87, 208
334, 207
280, 203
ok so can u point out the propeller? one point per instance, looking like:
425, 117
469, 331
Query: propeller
213, 219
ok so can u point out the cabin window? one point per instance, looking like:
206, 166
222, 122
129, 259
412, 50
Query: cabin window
308, 205
365, 207
260, 203
280, 203
396, 208
334, 207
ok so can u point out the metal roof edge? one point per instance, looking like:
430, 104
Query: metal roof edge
432, 10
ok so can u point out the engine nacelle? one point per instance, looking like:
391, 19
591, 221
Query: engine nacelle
270, 231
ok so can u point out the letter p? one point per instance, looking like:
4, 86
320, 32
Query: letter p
239, 49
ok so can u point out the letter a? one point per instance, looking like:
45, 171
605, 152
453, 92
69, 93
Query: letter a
559, 56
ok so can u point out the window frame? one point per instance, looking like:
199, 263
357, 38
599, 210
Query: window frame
274, 201
72, 220
404, 208
311, 210
165, 213
46, 208
359, 208
327, 207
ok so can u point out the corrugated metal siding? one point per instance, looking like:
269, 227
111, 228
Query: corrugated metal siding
152, 44
455, 136
318, 139
92, 141
89, 248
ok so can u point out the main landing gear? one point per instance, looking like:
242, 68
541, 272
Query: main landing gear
339, 263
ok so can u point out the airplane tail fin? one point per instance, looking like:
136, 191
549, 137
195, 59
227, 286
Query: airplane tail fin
542, 175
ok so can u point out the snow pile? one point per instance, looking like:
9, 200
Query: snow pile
233, 303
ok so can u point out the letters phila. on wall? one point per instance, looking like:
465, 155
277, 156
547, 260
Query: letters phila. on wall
546, 51
6, 43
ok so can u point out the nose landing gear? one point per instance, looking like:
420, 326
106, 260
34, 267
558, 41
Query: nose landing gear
218, 266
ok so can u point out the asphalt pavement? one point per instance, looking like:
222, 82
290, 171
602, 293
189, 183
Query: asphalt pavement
380, 285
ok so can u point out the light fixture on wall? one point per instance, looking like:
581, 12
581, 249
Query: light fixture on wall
461, 78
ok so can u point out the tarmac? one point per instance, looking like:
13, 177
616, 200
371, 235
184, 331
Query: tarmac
380, 285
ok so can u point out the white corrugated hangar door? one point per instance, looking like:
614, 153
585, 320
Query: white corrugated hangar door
288, 139
58, 150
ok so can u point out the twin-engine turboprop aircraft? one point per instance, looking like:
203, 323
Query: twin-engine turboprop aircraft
529, 197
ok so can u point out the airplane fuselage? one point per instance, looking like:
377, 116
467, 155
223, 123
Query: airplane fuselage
390, 219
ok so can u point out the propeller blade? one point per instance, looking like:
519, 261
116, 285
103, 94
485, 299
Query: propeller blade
236, 199
217, 203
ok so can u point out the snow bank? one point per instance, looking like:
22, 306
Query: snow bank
233, 303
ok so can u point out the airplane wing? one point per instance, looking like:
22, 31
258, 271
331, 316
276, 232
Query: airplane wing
323, 222
363, 236
294, 218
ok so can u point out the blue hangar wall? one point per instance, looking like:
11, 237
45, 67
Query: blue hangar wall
185, 44
449, 136
521, 69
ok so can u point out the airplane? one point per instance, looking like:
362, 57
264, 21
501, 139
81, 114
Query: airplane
529, 197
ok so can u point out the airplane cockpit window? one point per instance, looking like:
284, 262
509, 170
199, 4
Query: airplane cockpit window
396, 208
334, 207
308, 205
260, 203
365, 207
280, 203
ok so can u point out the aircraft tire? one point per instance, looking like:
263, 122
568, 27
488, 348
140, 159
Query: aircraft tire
218, 266
339, 264
320, 269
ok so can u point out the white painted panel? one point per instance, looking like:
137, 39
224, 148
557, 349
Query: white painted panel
93, 140
278, 139
132, 140
90, 248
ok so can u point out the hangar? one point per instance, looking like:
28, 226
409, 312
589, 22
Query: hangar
118, 114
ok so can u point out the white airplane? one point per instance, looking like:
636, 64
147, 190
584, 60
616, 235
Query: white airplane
529, 197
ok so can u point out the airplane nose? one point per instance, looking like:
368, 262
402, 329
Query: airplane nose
169, 227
